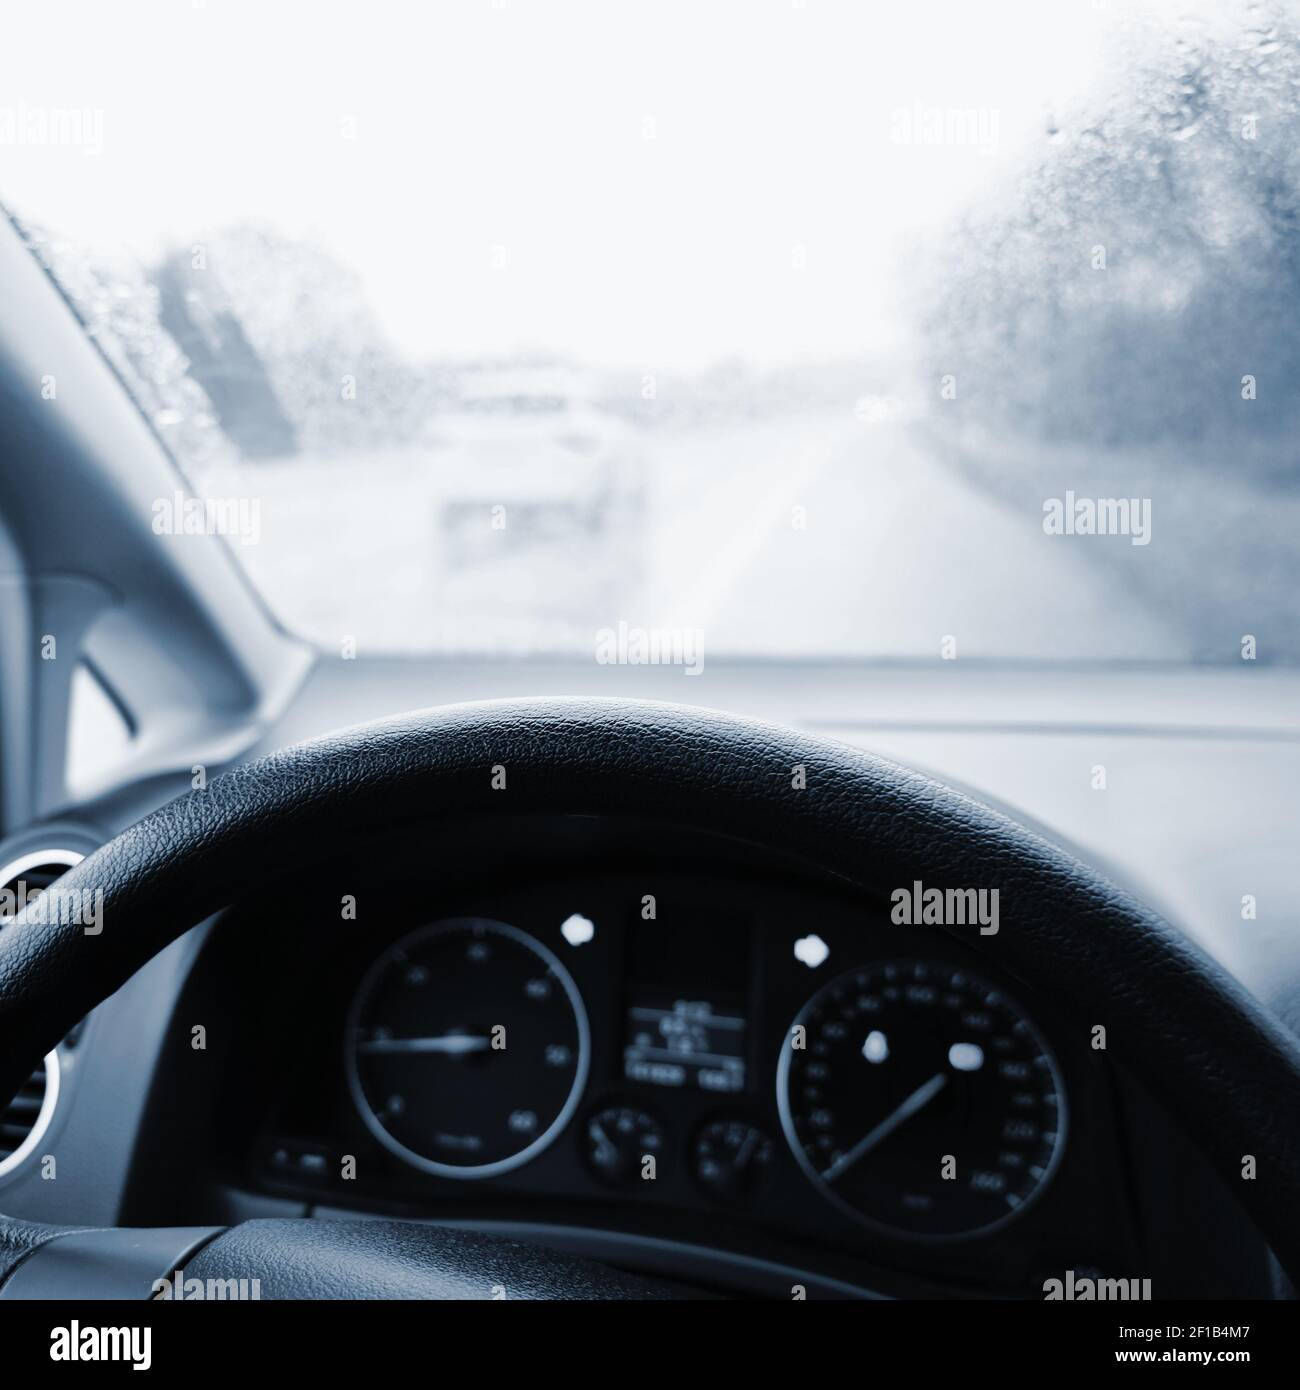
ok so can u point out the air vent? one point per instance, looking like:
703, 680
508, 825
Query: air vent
24, 1122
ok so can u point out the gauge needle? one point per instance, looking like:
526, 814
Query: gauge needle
918, 1100
746, 1150
454, 1043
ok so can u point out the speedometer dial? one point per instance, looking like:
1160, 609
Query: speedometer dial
919, 1098
468, 1048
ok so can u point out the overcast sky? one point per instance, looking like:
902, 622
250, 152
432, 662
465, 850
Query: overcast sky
647, 170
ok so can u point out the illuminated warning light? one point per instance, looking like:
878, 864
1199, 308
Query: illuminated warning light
875, 1048
966, 1056
811, 950
577, 930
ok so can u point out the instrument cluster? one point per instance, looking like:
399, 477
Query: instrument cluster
764, 1056
915, 1096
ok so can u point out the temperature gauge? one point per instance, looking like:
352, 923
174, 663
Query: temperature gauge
624, 1145
731, 1157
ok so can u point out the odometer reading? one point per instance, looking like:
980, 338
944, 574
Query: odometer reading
921, 1099
468, 1048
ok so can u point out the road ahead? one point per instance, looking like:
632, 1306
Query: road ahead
896, 551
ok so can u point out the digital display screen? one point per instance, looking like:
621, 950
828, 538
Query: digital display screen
685, 1043
686, 1013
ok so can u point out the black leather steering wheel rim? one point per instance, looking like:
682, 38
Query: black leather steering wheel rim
1180, 1024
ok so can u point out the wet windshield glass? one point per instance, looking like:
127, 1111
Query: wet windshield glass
789, 326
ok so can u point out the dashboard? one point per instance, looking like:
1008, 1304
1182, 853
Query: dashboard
659, 1052
256, 1112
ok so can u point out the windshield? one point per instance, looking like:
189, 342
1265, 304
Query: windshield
786, 328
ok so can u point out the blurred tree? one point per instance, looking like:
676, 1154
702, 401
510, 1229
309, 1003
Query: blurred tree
282, 337
1146, 260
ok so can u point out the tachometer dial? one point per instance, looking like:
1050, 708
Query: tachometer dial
468, 1048
921, 1099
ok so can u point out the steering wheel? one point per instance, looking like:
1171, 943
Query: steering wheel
1181, 1025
